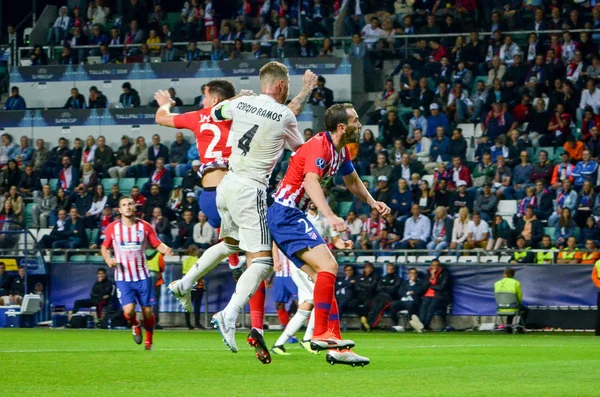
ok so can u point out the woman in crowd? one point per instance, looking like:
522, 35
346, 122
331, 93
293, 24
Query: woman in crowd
365, 151
500, 234
327, 49
441, 232
425, 198
89, 151
589, 231
89, 178
11, 175
564, 229
585, 201
460, 230
92, 217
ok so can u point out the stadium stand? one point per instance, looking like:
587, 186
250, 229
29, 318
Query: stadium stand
447, 83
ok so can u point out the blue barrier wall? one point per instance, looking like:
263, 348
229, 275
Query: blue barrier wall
555, 285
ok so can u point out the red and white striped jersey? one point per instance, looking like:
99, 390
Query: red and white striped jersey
286, 264
319, 156
373, 228
211, 137
129, 247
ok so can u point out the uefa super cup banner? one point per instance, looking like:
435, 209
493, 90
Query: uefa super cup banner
15, 119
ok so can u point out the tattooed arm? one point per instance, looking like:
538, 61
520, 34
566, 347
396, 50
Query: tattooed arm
309, 83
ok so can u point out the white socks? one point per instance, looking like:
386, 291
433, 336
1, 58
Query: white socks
208, 261
259, 269
310, 328
293, 326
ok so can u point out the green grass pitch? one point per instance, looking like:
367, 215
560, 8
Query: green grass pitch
46, 362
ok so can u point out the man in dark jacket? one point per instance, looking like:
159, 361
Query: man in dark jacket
344, 289
437, 295
321, 95
100, 296
409, 295
458, 145
53, 163
192, 181
387, 291
154, 200
156, 151
30, 183
75, 101
83, 200
74, 233
130, 97
96, 100
17, 286
364, 291
185, 236
178, 156
104, 158
5, 282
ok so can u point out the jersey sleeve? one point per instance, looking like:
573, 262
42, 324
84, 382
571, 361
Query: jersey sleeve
293, 136
108, 239
222, 111
186, 120
152, 237
346, 168
315, 158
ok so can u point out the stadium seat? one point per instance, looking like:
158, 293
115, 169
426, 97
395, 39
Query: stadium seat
468, 130
344, 208
365, 258
488, 259
478, 131
28, 215
447, 259
471, 155
108, 183
41, 233
126, 184
468, 259
177, 181
411, 259
345, 259
577, 233
548, 149
53, 184
95, 259
386, 258
507, 207
550, 231
78, 258
425, 259
429, 179
140, 182
58, 258
504, 259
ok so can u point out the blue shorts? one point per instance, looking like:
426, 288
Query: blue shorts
284, 289
292, 231
208, 205
140, 292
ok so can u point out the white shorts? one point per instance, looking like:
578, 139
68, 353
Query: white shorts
242, 205
305, 284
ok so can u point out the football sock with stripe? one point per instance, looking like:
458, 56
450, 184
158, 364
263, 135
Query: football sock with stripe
334, 320
323, 296
284, 317
132, 320
257, 307
234, 261
310, 327
246, 286
208, 261
293, 326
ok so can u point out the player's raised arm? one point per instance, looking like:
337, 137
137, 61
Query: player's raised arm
357, 187
164, 116
309, 82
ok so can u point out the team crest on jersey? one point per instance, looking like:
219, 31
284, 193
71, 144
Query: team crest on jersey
320, 162
139, 233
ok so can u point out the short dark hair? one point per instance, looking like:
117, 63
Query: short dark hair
436, 260
93, 88
510, 272
15, 88
321, 79
337, 114
221, 88
126, 84
101, 270
413, 268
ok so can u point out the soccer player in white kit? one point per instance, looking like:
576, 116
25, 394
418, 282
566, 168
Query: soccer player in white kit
262, 127
305, 285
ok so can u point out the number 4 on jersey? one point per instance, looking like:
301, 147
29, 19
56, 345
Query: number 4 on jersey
244, 142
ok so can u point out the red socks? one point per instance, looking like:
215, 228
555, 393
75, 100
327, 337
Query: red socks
149, 326
257, 307
283, 315
234, 261
334, 320
323, 296
132, 320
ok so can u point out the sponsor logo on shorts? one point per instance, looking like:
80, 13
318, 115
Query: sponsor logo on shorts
320, 162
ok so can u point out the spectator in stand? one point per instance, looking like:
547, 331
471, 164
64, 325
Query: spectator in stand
15, 101
281, 50
590, 97
22, 154
498, 121
178, 156
170, 53
305, 49
344, 289
565, 227
386, 292
160, 177
123, 157
185, 236
543, 169
75, 101
585, 203
460, 198
92, 216
321, 95
30, 185
38, 57
559, 128
154, 200
130, 97
77, 152
439, 152
417, 230
58, 32
478, 233
459, 173
153, 42
174, 205
102, 291
355, 226
160, 224
570, 254
16, 202
521, 179
585, 170
139, 200
590, 120
485, 204
97, 100
68, 176
74, 235
43, 206
436, 296
138, 167
136, 35
204, 234
530, 227
382, 168
417, 122
590, 258
217, 53
112, 200
385, 102
502, 177
421, 146
355, 20
156, 151
436, 119
392, 130
372, 33
500, 236
424, 198
401, 200
373, 232
192, 181
97, 13
383, 192
11, 176
103, 158
441, 232
89, 178
364, 291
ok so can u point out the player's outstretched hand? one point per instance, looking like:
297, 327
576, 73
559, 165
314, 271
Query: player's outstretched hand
163, 97
343, 244
169, 252
309, 80
381, 207
112, 262
336, 223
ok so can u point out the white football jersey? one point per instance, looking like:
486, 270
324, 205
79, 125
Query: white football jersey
261, 129
320, 223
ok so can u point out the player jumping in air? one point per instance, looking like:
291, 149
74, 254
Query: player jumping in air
128, 238
262, 127
311, 167
211, 139
305, 285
